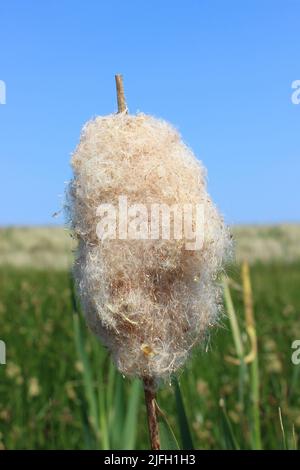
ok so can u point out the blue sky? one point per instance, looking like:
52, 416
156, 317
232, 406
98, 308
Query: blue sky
220, 71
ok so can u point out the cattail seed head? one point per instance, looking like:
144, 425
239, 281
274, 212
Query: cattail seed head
149, 300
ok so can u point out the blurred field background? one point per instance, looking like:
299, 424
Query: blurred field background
59, 389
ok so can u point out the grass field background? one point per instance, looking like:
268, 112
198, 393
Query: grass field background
59, 389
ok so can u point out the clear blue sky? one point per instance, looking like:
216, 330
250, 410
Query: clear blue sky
221, 71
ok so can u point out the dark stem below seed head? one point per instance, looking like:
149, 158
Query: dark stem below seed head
149, 389
149, 383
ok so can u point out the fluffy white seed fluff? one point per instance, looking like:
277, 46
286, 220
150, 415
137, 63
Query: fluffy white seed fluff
149, 301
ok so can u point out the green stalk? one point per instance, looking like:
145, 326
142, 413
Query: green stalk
87, 370
103, 418
254, 377
237, 339
254, 369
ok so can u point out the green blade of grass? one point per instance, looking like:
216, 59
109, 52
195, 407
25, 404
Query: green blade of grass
237, 339
185, 433
294, 439
284, 441
168, 439
254, 368
118, 416
111, 379
130, 424
103, 419
254, 377
87, 371
87, 375
228, 434
89, 437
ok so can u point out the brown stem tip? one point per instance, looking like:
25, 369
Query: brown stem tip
149, 389
120, 94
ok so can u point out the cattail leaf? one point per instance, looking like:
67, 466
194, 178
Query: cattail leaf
118, 417
168, 439
236, 333
228, 435
87, 373
89, 438
111, 380
86, 366
284, 440
185, 433
254, 367
103, 419
237, 339
130, 424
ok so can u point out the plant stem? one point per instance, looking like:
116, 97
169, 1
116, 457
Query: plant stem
237, 338
149, 385
122, 107
254, 368
149, 389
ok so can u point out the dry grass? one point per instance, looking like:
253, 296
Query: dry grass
51, 247
268, 242
38, 247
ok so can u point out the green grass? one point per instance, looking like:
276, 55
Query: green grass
50, 399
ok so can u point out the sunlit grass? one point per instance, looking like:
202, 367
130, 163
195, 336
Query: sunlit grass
45, 400
51, 247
